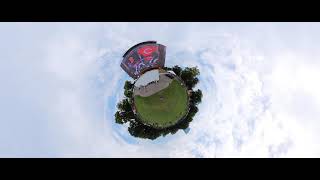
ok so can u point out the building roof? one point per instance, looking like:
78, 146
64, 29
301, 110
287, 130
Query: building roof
148, 77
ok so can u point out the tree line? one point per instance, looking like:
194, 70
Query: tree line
125, 112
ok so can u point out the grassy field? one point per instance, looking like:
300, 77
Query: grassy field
164, 108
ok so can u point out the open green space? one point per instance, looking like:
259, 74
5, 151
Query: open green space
164, 108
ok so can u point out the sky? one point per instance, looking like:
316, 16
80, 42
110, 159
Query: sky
60, 83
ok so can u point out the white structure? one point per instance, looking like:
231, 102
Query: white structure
148, 77
172, 72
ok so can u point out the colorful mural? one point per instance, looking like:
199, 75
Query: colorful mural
143, 57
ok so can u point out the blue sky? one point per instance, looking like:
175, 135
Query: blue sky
61, 82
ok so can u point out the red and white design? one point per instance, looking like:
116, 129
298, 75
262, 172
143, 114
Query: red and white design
146, 51
142, 57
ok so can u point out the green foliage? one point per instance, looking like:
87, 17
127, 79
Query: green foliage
128, 85
121, 118
193, 110
128, 93
140, 130
177, 70
189, 76
128, 89
124, 105
189, 73
118, 118
196, 97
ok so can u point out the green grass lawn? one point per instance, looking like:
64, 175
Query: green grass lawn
163, 113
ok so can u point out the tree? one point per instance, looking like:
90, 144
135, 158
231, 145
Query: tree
120, 117
128, 85
194, 71
193, 110
140, 130
125, 112
124, 105
128, 93
120, 105
184, 124
194, 82
189, 76
177, 70
196, 97
128, 89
